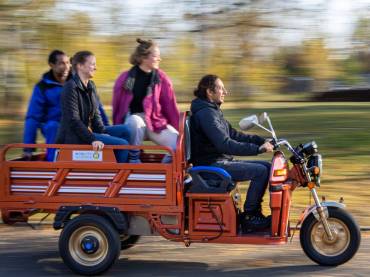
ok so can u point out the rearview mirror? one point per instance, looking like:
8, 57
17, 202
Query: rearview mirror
248, 122
254, 120
262, 118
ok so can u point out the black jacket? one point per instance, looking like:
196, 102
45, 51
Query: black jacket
79, 111
212, 137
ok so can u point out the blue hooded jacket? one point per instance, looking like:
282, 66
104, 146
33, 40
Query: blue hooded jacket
44, 106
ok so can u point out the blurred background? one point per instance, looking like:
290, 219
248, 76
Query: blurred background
306, 62
264, 50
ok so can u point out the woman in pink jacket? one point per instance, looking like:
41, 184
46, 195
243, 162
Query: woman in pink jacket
143, 98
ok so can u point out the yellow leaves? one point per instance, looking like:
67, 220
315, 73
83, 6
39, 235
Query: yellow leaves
261, 74
317, 59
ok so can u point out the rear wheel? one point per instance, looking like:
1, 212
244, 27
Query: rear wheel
319, 248
89, 244
5, 217
128, 241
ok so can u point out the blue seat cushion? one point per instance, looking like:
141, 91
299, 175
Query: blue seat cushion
210, 179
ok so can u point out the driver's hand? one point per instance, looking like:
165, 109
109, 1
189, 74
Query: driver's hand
97, 145
266, 147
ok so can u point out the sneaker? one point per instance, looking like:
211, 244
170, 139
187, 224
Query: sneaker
254, 221
134, 156
167, 159
134, 161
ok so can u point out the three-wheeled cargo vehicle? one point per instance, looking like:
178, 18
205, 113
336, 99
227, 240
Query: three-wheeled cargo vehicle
103, 206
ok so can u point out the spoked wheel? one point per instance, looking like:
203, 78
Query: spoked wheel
89, 244
341, 248
128, 241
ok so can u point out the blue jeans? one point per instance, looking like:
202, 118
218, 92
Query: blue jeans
257, 172
49, 131
116, 135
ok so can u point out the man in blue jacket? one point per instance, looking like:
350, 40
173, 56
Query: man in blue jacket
214, 142
44, 111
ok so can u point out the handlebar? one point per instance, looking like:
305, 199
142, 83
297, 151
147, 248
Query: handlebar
299, 158
288, 146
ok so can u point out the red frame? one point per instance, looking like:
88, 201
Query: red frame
28, 185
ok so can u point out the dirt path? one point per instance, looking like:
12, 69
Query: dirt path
27, 252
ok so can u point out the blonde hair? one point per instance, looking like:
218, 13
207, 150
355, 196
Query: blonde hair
142, 51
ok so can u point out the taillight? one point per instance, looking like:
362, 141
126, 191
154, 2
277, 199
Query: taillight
279, 168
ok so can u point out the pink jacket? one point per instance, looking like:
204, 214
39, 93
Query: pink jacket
159, 106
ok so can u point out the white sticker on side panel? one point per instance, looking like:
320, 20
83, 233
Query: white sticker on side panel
94, 156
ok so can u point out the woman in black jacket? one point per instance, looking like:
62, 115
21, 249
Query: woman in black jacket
81, 122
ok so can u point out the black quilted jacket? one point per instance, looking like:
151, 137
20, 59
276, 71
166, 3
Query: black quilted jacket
79, 111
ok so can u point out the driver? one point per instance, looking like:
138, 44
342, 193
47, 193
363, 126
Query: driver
214, 141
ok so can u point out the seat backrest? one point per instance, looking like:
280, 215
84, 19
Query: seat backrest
205, 179
210, 179
187, 138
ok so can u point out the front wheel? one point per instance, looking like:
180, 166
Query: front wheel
343, 246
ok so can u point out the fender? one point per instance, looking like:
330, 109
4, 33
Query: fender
325, 205
64, 213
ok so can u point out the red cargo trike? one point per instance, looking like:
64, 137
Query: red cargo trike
103, 206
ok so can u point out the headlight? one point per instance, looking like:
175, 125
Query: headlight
307, 149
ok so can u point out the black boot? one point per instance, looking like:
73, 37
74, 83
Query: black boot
254, 221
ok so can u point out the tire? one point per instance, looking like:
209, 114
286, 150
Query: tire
320, 249
128, 241
89, 244
5, 218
